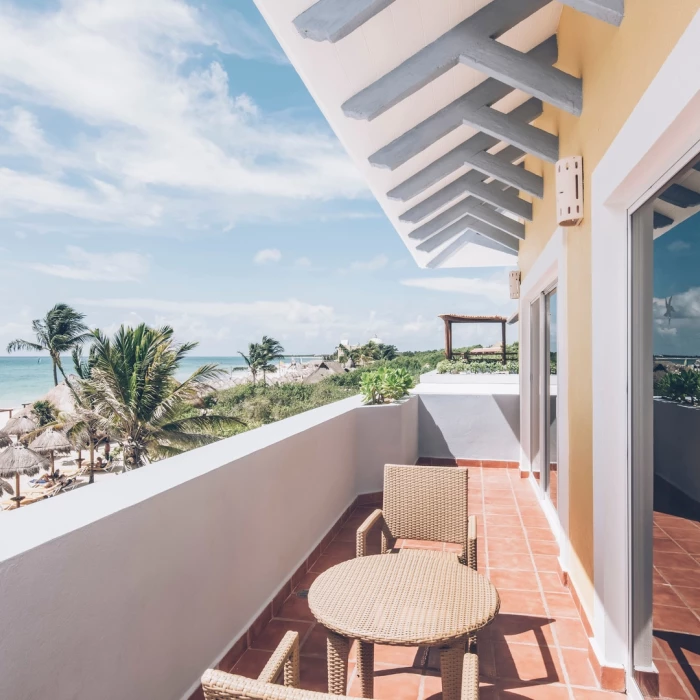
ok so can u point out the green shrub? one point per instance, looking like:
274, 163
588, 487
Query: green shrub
482, 367
385, 384
679, 386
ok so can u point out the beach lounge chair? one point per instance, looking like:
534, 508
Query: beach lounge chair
284, 663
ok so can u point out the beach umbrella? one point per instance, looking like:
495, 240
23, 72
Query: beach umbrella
5, 439
18, 460
19, 425
50, 442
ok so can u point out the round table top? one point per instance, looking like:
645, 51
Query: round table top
412, 597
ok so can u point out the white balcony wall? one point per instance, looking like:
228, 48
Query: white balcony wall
131, 588
469, 417
677, 445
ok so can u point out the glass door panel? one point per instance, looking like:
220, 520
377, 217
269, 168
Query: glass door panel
550, 402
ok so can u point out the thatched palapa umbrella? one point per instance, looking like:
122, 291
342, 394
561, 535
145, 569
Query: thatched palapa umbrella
18, 460
50, 442
19, 425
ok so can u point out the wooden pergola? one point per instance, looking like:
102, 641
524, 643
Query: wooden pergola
449, 319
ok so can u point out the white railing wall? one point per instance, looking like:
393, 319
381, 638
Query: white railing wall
131, 587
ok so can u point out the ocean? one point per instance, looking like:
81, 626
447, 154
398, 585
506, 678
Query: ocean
26, 379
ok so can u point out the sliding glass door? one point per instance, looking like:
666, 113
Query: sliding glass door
543, 394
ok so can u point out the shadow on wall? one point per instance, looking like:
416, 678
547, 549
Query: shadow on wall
473, 426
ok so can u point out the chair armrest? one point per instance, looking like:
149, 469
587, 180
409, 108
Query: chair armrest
471, 542
285, 657
364, 529
218, 685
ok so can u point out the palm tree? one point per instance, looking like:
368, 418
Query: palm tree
270, 349
132, 388
253, 359
84, 424
58, 332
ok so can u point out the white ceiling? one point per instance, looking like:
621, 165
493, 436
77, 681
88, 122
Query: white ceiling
335, 72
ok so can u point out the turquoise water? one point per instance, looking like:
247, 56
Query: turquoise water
25, 379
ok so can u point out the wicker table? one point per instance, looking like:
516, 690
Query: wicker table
411, 598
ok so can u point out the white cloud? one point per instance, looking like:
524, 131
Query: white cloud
302, 262
495, 289
103, 267
159, 135
376, 263
664, 330
267, 255
685, 305
237, 322
678, 246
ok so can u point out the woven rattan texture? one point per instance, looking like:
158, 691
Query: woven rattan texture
417, 597
426, 503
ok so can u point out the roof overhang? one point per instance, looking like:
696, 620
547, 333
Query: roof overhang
434, 103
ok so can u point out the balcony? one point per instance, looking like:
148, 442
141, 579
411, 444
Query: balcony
131, 589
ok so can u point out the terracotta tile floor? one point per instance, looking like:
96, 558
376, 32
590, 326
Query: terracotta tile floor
537, 646
677, 604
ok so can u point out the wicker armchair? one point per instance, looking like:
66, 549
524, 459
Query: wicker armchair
423, 503
218, 685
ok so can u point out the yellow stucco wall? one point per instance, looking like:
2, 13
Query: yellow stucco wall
616, 64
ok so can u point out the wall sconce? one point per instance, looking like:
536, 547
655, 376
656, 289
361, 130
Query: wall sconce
570, 191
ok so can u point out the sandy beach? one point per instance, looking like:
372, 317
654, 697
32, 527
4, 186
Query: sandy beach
67, 465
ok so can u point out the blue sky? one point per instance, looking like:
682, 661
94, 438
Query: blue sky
161, 161
677, 275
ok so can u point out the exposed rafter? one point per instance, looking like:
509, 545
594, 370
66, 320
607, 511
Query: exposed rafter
451, 117
457, 157
483, 206
513, 175
469, 237
471, 224
473, 41
504, 127
610, 11
332, 20
478, 209
470, 183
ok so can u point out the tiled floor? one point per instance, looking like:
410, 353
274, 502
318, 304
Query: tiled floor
537, 646
677, 602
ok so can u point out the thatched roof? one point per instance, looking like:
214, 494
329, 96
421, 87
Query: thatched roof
19, 425
51, 441
21, 460
5, 439
462, 318
61, 396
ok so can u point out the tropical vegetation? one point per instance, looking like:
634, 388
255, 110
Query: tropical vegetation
133, 392
126, 394
477, 367
61, 330
385, 385
261, 356
681, 385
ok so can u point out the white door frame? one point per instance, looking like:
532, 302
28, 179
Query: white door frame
661, 132
550, 267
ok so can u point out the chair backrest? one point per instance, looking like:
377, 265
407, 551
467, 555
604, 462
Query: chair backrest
426, 503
